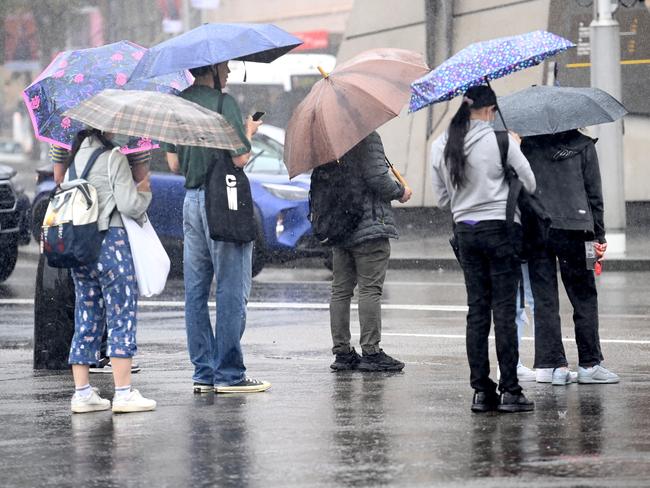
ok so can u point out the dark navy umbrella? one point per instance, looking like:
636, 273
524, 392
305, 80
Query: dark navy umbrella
551, 109
214, 43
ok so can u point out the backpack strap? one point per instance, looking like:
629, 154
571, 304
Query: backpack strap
515, 185
93, 157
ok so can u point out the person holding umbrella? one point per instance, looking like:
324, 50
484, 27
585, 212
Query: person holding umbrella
468, 176
566, 167
217, 356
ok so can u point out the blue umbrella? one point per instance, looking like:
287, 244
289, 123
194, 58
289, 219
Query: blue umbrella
481, 62
214, 43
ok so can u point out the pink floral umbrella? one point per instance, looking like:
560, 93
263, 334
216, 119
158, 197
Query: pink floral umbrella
75, 76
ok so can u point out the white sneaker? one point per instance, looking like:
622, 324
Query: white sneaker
596, 374
563, 376
544, 375
133, 402
525, 374
90, 403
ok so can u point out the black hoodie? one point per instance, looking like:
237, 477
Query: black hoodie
568, 181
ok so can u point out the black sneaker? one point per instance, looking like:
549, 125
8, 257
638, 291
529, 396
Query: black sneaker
484, 401
515, 402
202, 387
247, 385
346, 362
379, 362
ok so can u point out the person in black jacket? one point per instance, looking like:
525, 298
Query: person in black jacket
568, 184
362, 258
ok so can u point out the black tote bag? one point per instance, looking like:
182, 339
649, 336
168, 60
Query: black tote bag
228, 200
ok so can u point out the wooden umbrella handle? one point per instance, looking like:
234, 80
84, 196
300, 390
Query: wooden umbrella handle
397, 174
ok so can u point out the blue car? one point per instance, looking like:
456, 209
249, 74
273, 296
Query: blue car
281, 205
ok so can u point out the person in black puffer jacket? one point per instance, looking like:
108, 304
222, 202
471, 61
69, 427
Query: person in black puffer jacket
362, 258
569, 185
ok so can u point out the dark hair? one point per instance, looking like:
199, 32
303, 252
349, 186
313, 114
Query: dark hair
206, 70
475, 97
79, 138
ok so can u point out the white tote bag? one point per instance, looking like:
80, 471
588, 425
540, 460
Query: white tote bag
149, 257
150, 260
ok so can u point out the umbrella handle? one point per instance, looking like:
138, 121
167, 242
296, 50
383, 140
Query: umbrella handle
497, 105
323, 72
397, 174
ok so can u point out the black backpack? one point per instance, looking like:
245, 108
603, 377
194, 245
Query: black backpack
228, 199
535, 220
335, 201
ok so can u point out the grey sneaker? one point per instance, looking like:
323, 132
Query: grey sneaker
91, 403
596, 374
133, 402
247, 385
544, 375
562, 376
347, 361
379, 362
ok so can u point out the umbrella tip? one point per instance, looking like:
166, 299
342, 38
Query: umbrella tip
323, 72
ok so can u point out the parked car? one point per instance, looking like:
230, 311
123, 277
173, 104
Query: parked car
14, 220
281, 205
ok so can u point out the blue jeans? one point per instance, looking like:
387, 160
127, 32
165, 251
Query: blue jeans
216, 354
522, 318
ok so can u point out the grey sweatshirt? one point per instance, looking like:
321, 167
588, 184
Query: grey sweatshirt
120, 192
484, 195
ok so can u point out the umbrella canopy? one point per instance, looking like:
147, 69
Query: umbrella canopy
74, 76
484, 61
214, 43
550, 109
348, 104
158, 116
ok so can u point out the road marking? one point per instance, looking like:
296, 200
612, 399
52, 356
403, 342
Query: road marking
325, 306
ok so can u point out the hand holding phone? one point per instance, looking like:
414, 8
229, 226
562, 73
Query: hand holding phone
258, 115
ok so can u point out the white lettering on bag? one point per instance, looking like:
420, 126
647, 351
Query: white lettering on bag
231, 192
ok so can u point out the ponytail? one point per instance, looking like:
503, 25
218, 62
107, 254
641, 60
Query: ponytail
79, 138
454, 152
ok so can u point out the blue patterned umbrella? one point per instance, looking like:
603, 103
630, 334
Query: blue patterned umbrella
74, 76
484, 61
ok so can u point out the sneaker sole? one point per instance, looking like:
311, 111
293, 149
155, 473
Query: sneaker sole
101, 370
515, 408
592, 381
343, 368
241, 389
483, 408
132, 409
89, 408
379, 369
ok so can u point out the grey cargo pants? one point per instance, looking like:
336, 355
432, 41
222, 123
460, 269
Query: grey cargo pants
365, 265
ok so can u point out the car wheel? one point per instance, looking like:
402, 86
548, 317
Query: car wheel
8, 258
38, 214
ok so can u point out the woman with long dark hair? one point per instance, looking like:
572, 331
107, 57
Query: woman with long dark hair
468, 176
107, 291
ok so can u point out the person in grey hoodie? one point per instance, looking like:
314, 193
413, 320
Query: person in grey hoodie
107, 291
468, 176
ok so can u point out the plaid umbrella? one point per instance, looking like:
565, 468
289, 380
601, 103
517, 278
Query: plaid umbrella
74, 76
159, 116
481, 62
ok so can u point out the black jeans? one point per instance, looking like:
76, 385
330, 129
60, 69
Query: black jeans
567, 247
491, 275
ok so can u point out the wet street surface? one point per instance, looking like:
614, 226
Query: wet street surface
317, 428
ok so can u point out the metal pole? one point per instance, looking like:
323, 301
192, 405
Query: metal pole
606, 75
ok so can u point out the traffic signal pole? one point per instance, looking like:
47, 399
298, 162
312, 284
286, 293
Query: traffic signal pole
606, 75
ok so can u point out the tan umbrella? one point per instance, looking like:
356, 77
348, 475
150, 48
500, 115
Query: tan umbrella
348, 104
157, 116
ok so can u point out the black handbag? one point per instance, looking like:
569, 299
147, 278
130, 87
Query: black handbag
535, 220
228, 199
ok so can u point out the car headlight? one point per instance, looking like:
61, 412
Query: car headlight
286, 192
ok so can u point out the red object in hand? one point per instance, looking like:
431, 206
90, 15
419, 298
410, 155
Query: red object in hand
598, 268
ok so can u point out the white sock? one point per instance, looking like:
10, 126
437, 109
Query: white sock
122, 391
83, 391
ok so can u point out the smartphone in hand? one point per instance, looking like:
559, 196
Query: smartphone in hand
258, 115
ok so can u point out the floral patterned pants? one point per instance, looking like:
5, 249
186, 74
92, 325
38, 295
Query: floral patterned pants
106, 296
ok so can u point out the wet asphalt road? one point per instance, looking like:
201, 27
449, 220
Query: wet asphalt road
316, 428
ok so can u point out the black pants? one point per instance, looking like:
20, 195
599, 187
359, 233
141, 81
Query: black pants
567, 247
491, 274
